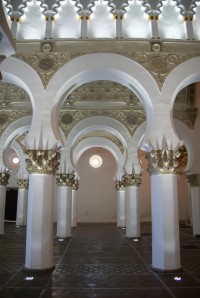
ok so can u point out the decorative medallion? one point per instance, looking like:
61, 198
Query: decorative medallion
66, 118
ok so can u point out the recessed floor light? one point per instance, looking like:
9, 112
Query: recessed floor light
177, 278
29, 278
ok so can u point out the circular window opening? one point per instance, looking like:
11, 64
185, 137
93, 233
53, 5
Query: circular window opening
95, 161
15, 160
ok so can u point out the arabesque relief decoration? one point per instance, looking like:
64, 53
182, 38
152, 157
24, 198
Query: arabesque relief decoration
23, 183
4, 177
167, 161
42, 161
66, 180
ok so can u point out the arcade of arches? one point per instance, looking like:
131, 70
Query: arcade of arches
125, 93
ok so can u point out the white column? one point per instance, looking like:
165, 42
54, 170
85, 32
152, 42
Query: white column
49, 17
189, 28
39, 236
74, 208
132, 212
84, 25
64, 211
165, 222
154, 27
119, 18
15, 18
121, 218
3, 182
2, 207
22, 202
41, 165
194, 180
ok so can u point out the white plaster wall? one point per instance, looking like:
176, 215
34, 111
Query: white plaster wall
96, 193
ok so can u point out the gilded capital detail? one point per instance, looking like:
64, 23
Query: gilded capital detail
75, 184
4, 177
22, 183
194, 180
65, 180
42, 161
167, 161
132, 180
119, 185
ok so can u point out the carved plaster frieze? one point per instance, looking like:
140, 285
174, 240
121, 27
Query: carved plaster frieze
4, 177
23, 183
65, 180
159, 64
130, 119
194, 180
42, 161
167, 161
7, 117
47, 64
120, 185
132, 180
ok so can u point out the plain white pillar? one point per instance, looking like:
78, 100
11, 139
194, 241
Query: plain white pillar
132, 212
39, 236
64, 211
195, 202
22, 203
2, 207
165, 222
121, 218
74, 208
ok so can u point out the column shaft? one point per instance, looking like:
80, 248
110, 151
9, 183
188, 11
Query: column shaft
2, 207
132, 212
165, 222
195, 202
121, 218
74, 208
39, 237
64, 211
22, 203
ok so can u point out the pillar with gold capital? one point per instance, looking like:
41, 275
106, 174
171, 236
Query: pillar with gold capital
41, 166
121, 216
64, 205
164, 165
132, 182
194, 180
4, 176
75, 186
22, 202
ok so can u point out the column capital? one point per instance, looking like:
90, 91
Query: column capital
119, 185
167, 161
42, 161
65, 180
4, 177
194, 180
22, 183
75, 184
132, 179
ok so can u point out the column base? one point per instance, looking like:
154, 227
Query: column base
63, 237
50, 269
166, 270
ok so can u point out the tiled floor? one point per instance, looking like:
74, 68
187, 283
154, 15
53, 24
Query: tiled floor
98, 261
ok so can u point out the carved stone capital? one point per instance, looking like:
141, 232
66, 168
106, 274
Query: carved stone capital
4, 177
22, 183
65, 180
167, 161
132, 180
75, 184
194, 180
119, 185
42, 161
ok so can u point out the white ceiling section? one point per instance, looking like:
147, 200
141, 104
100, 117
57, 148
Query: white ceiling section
30, 19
